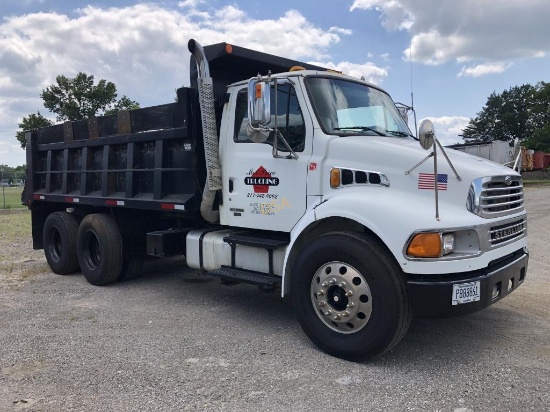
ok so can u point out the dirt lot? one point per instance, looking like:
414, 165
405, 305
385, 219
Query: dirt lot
176, 340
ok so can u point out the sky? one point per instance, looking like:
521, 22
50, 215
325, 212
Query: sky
448, 55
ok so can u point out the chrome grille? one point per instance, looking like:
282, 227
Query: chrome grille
507, 232
495, 196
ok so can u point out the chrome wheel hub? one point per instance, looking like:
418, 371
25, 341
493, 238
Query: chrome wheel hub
341, 297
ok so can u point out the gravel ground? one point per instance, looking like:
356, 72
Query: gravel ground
176, 340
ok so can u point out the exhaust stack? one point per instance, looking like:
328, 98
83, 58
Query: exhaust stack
210, 135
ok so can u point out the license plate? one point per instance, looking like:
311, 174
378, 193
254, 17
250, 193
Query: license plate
465, 293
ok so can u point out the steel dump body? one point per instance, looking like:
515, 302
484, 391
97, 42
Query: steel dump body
143, 158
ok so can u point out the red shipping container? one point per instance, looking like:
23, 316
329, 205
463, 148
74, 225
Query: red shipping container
538, 160
546, 160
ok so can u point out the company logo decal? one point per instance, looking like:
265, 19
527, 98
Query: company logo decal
261, 180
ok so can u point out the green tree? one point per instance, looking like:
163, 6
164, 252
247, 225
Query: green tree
539, 140
540, 119
124, 103
505, 116
31, 122
75, 99
79, 98
540, 106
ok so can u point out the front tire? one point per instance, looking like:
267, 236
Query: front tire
99, 247
59, 240
349, 296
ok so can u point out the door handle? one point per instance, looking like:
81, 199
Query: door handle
230, 185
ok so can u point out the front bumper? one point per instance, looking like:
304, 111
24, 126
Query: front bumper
431, 294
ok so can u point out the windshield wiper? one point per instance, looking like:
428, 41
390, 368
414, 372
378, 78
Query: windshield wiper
370, 129
399, 133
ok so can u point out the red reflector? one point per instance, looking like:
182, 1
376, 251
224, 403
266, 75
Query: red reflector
36, 197
111, 202
68, 199
167, 206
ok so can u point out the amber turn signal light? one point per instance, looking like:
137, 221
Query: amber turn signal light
425, 245
334, 178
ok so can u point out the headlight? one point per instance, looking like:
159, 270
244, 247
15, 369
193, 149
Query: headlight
448, 241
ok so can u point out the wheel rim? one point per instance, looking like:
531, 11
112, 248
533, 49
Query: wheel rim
55, 244
92, 252
341, 297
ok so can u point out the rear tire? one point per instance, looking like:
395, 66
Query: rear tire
59, 240
131, 269
350, 297
99, 247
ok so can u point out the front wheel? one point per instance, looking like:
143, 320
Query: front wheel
349, 296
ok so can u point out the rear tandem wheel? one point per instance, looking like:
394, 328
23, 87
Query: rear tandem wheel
99, 247
59, 240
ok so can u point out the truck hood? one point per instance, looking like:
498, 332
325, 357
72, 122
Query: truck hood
393, 157
400, 155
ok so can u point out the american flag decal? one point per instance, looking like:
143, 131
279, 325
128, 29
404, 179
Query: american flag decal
426, 181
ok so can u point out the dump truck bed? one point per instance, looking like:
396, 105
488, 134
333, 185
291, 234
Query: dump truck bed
144, 158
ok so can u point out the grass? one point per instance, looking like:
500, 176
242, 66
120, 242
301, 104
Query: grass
16, 254
536, 182
12, 227
10, 197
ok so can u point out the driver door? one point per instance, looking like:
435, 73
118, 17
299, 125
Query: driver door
259, 190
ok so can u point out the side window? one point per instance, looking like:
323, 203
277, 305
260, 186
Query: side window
290, 121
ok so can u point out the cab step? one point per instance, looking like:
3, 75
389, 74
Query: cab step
229, 275
268, 241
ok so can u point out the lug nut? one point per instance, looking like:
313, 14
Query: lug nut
336, 317
350, 305
321, 292
345, 314
322, 303
328, 313
332, 281
342, 284
324, 284
349, 293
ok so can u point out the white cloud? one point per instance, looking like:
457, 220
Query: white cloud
484, 31
340, 30
394, 15
482, 70
141, 48
369, 71
448, 128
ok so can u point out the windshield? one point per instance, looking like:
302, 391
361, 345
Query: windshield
345, 107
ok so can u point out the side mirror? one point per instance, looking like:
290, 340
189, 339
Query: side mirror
259, 103
426, 134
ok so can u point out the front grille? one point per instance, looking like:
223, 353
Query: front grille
496, 196
507, 232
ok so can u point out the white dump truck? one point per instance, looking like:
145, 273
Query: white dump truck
284, 175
